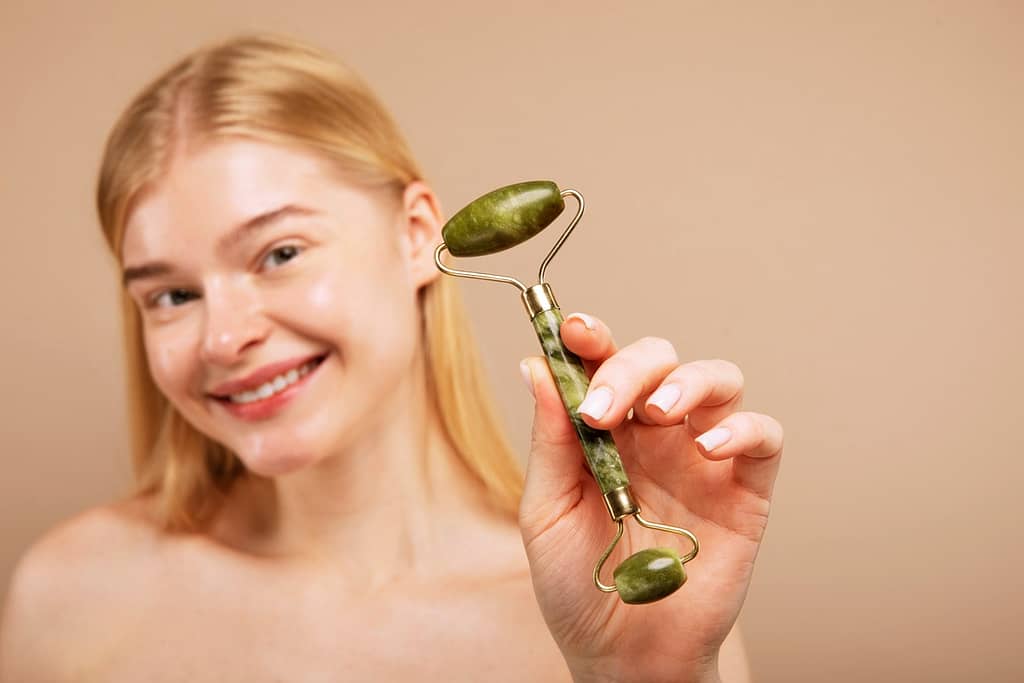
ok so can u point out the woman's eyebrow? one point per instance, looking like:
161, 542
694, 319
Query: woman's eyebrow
226, 243
257, 223
145, 271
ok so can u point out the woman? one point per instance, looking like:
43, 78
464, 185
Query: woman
323, 491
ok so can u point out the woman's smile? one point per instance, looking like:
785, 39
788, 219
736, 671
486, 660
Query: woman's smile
256, 398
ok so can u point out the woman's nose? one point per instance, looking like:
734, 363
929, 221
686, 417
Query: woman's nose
234, 321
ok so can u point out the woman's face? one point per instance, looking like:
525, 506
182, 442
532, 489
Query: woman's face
278, 301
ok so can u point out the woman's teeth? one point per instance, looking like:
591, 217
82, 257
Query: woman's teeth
276, 385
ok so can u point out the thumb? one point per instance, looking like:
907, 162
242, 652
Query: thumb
556, 466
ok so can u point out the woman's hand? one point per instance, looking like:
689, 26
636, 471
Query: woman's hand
694, 460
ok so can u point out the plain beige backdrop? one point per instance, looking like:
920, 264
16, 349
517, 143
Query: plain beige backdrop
829, 194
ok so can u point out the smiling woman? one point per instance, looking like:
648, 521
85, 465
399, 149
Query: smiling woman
321, 479
306, 282
252, 91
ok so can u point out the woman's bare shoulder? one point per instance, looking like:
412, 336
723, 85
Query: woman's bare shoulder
67, 580
95, 540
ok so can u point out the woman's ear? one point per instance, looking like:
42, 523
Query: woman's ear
420, 231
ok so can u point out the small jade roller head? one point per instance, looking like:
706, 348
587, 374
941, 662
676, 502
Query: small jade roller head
502, 219
649, 575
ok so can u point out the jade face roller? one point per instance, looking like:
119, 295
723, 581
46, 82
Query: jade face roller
502, 219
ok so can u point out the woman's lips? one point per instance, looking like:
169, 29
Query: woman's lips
264, 408
260, 376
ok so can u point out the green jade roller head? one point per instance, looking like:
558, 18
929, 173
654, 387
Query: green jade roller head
502, 219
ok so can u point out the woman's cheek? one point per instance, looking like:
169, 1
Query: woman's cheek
322, 295
164, 354
173, 352
334, 302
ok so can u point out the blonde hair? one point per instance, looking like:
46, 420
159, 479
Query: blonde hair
282, 91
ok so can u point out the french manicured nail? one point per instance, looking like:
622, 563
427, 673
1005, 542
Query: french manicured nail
597, 403
585, 319
524, 369
665, 397
714, 438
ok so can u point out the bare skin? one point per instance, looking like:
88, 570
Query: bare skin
360, 548
108, 597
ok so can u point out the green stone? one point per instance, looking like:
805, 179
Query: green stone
649, 575
566, 367
503, 218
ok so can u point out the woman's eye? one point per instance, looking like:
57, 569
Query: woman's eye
281, 255
172, 298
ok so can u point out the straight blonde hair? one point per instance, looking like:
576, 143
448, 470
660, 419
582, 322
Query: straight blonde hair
282, 91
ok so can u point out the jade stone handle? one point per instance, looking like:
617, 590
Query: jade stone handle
567, 369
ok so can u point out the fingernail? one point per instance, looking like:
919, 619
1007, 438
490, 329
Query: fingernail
714, 438
524, 370
665, 397
597, 403
585, 319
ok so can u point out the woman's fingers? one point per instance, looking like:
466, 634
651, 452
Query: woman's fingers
589, 338
754, 442
702, 391
646, 376
705, 394
632, 372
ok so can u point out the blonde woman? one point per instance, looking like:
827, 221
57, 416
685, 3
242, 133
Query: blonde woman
323, 490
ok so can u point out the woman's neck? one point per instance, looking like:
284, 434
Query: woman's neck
398, 500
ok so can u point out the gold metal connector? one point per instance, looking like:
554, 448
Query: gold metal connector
621, 503
538, 299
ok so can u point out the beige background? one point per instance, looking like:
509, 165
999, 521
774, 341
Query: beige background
829, 194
